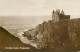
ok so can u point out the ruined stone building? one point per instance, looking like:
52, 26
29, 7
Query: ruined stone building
57, 15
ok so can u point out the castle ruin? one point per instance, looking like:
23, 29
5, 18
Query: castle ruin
57, 15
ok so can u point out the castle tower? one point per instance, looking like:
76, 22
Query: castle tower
57, 11
62, 12
57, 16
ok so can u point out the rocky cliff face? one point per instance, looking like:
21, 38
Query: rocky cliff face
60, 35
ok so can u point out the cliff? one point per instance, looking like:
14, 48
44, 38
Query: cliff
60, 36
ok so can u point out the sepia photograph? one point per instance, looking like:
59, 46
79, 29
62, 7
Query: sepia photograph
39, 26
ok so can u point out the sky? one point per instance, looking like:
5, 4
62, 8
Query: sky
38, 7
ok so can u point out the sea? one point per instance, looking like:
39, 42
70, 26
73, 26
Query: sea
17, 24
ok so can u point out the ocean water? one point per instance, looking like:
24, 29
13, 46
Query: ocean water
16, 24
